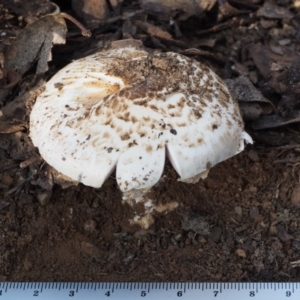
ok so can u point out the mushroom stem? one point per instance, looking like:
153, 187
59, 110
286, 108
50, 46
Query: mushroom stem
144, 207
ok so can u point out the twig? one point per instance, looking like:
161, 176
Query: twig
84, 31
24, 164
288, 147
295, 264
287, 160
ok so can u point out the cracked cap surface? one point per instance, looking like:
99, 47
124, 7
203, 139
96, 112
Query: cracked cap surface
127, 108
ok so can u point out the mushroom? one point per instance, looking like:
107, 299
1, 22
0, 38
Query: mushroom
127, 108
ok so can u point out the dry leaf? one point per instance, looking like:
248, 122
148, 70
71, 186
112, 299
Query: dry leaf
7, 83
34, 44
250, 111
91, 11
272, 11
32, 9
245, 91
21, 106
264, 58
273, 121
169, 8
227, 11
11, 126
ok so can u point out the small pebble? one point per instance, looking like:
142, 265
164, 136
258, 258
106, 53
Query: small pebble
255, 215
218, 276
253, 189
253, 156
267, 274
178, 237
238, 210
90, 226
254, 212
297, 3
2, 278
215, 234
4, 204
44, 197
198, 224
127, 260
282, 234
6, 180
273, 230
284, 42
296, 244
26, 198
273, 11
241, 253
91, 250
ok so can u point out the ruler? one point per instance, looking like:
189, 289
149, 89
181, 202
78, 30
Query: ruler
149, 290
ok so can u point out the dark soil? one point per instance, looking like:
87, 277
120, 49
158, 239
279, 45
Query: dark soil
239, 224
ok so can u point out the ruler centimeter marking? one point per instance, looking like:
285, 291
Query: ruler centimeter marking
149, 290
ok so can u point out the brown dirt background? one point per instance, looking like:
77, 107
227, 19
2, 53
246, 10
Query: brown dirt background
250, 203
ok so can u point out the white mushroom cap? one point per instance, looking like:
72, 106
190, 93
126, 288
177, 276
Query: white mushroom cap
127, 107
